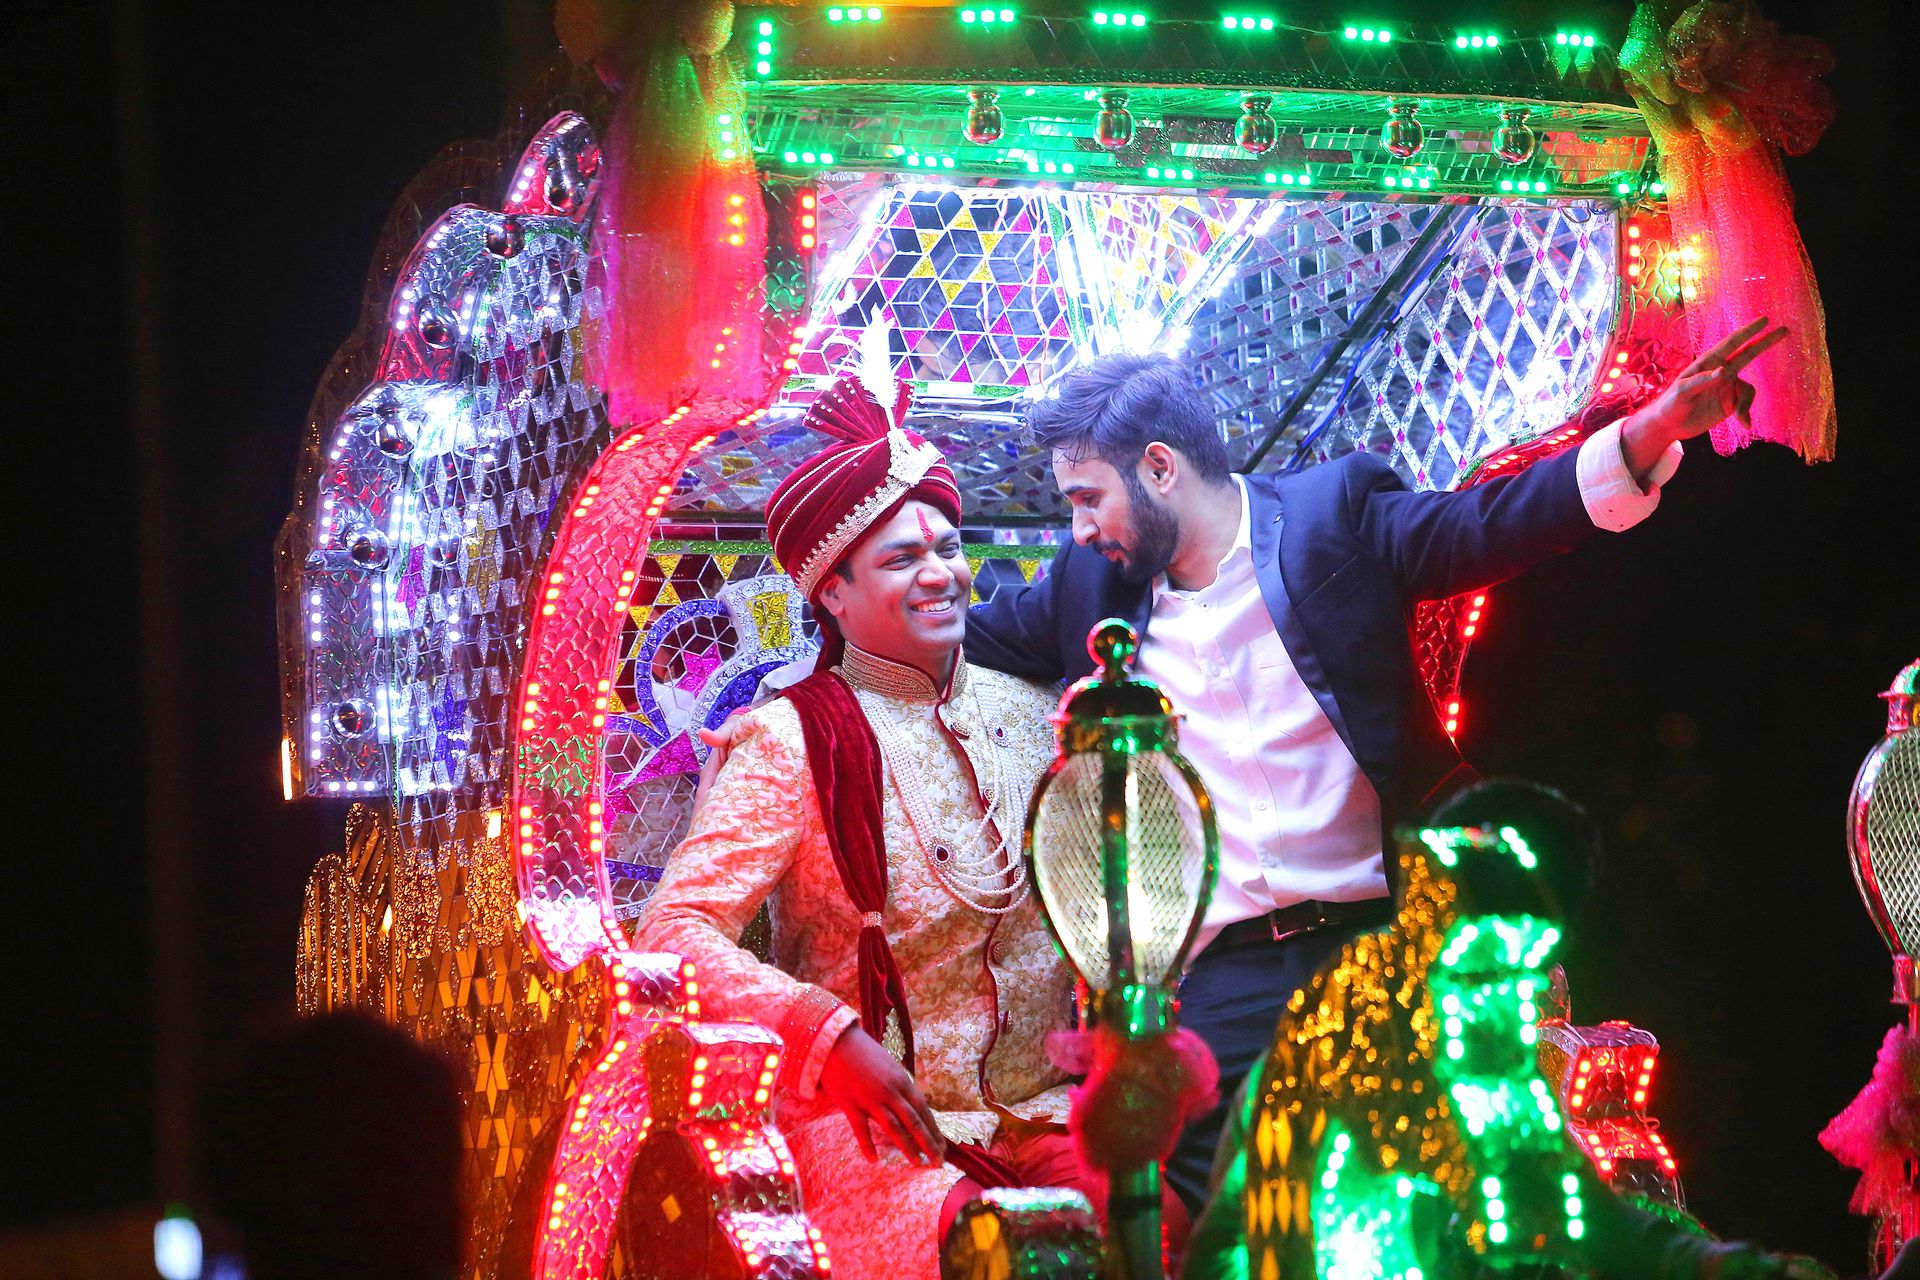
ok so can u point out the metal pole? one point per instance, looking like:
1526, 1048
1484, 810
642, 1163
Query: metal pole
1386, 296
1908, 1222
165, 740
1133, 1195
1113, 868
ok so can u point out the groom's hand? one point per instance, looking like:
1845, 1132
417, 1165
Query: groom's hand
1705, 394
873, 1089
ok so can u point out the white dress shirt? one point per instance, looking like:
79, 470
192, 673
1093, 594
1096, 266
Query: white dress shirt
1298, 820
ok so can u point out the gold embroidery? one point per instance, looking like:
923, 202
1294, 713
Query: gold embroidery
979, 1034
898, 680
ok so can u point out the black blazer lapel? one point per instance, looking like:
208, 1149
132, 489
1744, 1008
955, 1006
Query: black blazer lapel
1268, 535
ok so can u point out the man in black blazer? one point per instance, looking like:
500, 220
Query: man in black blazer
1273, 610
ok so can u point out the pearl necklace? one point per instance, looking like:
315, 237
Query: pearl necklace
982, 868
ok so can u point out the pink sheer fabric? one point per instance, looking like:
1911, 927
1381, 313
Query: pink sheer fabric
1724, 92
680, 231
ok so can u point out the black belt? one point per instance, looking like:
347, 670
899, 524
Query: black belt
1302, 917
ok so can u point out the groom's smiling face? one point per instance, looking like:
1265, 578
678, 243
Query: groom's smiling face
902, 592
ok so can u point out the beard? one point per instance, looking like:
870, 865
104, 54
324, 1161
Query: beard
1156, 534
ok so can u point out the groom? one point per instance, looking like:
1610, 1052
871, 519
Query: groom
877, 806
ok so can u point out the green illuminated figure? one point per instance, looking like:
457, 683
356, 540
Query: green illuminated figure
1400, 1128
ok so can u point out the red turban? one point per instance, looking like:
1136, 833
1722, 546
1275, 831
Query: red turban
833, 498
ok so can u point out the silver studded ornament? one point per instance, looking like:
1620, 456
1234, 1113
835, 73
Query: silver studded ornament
352, 718
506, 237
435, 319
368, 548
392, 432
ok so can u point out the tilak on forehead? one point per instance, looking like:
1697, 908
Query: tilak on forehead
926, 526
855, 484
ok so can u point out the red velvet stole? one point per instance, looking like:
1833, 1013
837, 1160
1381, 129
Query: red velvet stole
844, 759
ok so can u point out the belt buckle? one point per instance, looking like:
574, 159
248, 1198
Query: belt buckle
1320, 921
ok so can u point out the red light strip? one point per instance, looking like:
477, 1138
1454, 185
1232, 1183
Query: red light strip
714, 1085
586, 592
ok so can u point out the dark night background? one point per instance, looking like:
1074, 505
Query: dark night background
1706, 682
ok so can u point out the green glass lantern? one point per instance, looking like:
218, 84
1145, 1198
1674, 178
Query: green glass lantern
1122, 848
1883, 835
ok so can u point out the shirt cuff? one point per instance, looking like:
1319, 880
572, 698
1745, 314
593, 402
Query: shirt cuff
789, 675
813, 1024
1614, 499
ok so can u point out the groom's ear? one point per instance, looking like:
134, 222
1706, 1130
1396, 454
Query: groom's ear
830, 598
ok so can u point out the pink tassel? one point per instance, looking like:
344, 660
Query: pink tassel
1879, 1131
1138, 1094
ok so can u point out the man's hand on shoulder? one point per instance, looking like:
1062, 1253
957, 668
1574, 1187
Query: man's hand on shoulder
872, 1088
1705, 394
720, 743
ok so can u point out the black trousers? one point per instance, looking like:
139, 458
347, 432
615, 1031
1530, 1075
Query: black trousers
1232, 998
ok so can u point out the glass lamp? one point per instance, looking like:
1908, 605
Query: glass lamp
1122, 849
1883, 843
1883, 834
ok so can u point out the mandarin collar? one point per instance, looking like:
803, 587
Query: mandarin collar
899, 680
1242, 543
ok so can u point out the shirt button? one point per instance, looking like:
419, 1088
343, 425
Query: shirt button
1261, 805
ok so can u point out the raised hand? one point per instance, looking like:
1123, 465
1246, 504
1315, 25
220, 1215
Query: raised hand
873, 1089
1705, 394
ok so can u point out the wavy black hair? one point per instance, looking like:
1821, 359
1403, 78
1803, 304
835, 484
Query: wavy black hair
1119, 404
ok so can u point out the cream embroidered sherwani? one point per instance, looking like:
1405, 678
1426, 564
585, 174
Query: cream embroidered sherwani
983, 991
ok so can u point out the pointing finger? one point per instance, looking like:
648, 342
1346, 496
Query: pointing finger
932, 1126
927, 1128
925, 1143
1713, 356
1745, 355
900, 1133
